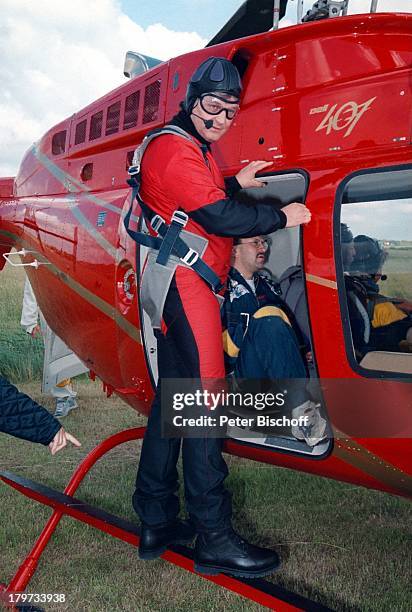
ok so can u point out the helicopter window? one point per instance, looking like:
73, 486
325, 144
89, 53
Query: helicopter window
59, 143
131, 109
279, 190
80, 134
113, 118
96, 124
375, 254
151, 102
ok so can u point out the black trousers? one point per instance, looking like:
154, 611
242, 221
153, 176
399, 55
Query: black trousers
179, 356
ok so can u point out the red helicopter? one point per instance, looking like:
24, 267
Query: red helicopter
329, 102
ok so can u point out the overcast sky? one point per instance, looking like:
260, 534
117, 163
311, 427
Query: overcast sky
56, 56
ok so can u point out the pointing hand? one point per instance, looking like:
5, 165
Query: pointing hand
60, 440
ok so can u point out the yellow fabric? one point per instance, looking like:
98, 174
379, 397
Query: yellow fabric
266, 311
271, 311
64, 382
229, 346
385, 313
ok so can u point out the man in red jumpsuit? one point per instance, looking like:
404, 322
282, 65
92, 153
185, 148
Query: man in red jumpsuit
180, 173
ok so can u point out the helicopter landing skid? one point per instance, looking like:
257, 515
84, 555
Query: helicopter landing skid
258, 590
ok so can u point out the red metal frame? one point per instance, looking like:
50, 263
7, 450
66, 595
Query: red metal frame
258, 590
26, 570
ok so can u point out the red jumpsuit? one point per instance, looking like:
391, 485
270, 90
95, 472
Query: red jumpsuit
178, 173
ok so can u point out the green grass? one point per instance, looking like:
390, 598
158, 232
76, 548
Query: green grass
341, 545
398, 267
21, 356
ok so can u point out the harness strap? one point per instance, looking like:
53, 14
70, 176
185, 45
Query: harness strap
188, 255
169, 241
179, 220
139, 237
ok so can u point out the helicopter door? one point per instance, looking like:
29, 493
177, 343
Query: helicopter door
284, 271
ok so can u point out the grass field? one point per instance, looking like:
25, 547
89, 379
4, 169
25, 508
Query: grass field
21, 357
341, 545
398, 267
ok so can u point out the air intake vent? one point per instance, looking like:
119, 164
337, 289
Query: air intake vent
59, 143
96, 124
130, 110
151, 102
87, 172
113, 119
80, 134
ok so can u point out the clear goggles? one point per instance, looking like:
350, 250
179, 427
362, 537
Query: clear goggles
258, 243
214, 105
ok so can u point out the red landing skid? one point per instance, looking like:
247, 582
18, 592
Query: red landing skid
258, 590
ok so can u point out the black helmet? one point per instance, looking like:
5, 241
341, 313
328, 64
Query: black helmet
346, 235
370, 256
214, 74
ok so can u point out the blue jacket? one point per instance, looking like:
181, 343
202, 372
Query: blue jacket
22, 417
241, 303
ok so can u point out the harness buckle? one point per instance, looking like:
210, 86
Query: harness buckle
180, 217
156, 222
133, 170
190, 258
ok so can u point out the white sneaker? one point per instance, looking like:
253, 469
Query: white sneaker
314, 429
63, 406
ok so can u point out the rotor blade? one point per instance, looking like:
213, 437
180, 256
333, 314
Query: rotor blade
253, 17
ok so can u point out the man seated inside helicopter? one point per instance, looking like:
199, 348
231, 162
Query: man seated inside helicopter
378, 322
261, 338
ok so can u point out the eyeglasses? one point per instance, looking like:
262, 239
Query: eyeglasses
258, 243
212, 105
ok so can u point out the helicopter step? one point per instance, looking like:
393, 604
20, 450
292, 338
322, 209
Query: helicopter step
257, 589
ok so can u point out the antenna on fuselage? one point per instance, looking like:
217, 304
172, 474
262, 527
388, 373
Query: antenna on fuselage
276, 17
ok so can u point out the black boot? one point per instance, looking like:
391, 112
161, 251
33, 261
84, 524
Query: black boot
226, 552
155, 540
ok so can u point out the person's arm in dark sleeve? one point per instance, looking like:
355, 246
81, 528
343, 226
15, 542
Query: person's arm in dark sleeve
232, 186
231, 218
22, 417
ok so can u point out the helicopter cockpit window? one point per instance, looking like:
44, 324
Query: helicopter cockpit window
376, 255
